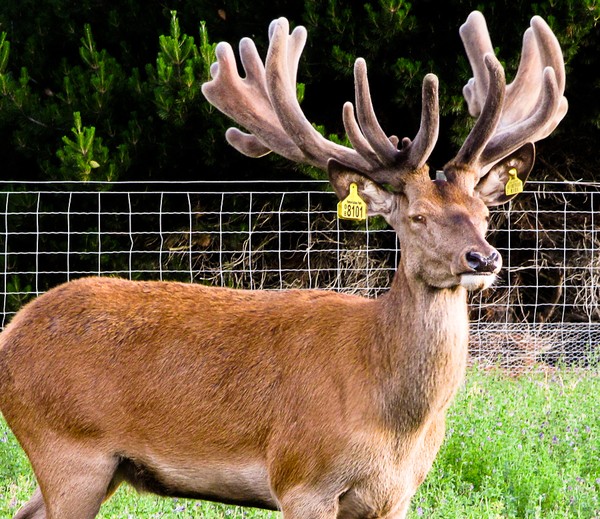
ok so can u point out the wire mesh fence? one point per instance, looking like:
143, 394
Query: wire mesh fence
544, 309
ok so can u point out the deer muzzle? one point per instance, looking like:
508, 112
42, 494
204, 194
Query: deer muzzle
481, 269
484, 264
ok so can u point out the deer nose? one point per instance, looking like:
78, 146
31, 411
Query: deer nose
480, 263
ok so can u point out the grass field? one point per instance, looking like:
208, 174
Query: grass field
515, 447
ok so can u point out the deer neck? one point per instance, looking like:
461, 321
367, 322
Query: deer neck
425, 313
425, 339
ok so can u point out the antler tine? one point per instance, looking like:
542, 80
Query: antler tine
255, 75
518, 101
241, 99
474, 31
426, 138
534, 103
490, 113
549, 49
386, 151
551, 58
282, 91
295, 45
540, 51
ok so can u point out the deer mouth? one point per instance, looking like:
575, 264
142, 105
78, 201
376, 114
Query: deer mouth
477, 281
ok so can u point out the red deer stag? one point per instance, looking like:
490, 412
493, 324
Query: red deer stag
314, 403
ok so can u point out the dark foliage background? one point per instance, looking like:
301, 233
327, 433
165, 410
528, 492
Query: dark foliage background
134, 79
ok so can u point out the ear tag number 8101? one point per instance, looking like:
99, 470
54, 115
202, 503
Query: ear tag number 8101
353, 207
514, 186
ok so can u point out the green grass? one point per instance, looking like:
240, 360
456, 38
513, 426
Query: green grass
526, 447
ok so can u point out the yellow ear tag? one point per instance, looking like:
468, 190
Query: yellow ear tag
514, 186
353, 207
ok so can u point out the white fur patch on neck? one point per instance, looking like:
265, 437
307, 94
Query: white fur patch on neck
476, 282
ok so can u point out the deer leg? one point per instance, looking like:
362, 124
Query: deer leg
299, 503
34, 508
400, 512
74, 483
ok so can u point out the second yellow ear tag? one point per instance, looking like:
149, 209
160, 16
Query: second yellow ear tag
514, 186
353, 207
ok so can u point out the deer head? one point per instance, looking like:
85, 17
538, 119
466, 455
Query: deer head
441, 224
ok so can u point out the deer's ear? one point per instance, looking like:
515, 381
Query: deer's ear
379, 201
492, 187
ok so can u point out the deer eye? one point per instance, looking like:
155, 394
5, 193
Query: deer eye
418, 218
